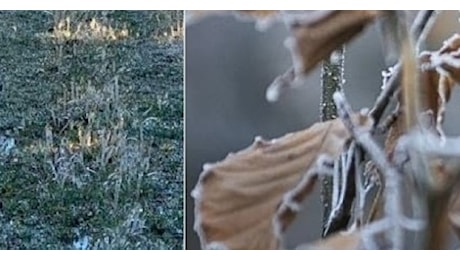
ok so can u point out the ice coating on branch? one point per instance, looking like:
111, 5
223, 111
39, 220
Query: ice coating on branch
386, 75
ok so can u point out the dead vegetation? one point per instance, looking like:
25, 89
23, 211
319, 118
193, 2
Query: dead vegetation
92, 101
404, 191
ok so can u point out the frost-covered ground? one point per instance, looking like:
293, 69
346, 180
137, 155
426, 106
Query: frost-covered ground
91, 130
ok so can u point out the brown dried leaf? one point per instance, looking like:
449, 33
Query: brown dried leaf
451, 48
338, 241
424, 89
431, 80
441, 69
312, 42
434, 89
247, 200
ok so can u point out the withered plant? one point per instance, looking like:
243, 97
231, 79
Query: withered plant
400, 194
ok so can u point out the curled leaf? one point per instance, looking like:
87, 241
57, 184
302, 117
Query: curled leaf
447, 60
313, 41
442, 68
247, 200
440, 71
437, 75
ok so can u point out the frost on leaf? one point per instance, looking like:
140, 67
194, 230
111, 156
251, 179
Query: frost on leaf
440, 71
248, 200
447, 60
443, 66
311, 42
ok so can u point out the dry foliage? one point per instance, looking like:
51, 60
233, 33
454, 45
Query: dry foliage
313, 41
263, 185
247, 200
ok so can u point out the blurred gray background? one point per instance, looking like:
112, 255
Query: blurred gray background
229, 65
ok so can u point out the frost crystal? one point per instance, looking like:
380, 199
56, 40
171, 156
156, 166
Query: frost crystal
336, 57
82, 243
386, 75
273, 92
6, 145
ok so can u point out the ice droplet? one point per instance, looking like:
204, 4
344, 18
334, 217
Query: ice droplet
336, 57
273, 93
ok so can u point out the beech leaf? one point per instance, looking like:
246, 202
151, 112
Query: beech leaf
311, 42
248, 200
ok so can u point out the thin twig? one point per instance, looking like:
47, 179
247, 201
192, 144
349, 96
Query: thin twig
434, 188
389, 120
421, 26
393, 203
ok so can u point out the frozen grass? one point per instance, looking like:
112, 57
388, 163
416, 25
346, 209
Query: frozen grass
93, 101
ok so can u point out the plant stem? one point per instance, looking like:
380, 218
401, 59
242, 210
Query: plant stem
332, 80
